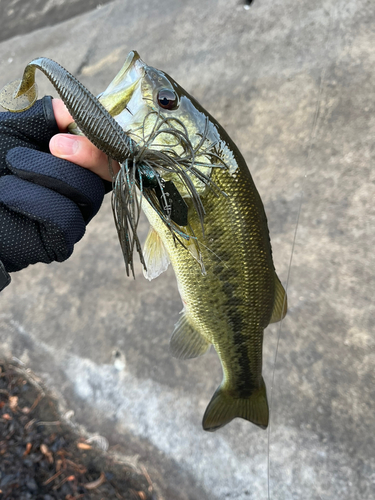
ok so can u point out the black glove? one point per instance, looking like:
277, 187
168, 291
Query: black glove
45, 202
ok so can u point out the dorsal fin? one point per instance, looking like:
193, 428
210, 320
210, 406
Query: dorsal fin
280, 305
155, 255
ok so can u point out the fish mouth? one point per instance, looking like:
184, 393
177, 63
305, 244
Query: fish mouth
119, 92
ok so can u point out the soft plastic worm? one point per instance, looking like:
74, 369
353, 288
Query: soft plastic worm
89, 114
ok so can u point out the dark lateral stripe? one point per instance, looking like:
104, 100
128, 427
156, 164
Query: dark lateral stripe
245, 379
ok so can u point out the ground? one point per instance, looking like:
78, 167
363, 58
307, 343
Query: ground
44, 458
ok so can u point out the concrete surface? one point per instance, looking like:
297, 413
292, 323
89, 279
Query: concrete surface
293, 84
19, 17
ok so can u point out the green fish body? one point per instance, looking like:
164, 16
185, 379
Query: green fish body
225, 273
231, 304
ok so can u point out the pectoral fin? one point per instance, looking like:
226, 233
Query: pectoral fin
280, 305
155, 255
186, 342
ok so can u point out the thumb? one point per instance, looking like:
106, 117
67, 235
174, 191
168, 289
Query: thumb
81, 151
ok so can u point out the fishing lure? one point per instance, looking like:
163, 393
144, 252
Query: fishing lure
140, 166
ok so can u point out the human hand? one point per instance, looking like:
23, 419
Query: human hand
78, 149
45, 201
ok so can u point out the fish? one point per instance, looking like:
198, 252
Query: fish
206, 218
224, 269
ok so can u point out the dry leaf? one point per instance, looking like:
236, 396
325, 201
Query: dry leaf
13, 402
95, 484
84, 446
44, 449
28, 448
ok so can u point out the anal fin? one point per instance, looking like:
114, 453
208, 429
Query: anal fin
186, 342
280, 305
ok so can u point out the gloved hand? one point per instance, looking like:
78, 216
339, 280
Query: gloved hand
45, 201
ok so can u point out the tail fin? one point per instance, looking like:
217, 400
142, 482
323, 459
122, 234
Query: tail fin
223, 408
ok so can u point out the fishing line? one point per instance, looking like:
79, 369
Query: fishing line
312, 138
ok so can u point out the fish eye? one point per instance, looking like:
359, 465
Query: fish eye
167, 99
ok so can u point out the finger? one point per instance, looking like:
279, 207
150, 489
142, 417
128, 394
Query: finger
66, 178
81, 151
78, 149
61, 218
62, 115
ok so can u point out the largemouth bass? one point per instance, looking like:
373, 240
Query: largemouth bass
225, 273
206, 216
